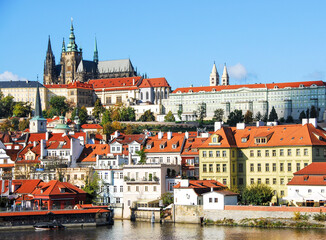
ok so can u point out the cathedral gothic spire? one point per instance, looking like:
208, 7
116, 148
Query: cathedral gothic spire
49, 64
72, 46
95, 58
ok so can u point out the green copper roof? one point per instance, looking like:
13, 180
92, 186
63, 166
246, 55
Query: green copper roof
72, 46
63, 45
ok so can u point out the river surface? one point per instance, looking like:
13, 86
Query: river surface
144, 230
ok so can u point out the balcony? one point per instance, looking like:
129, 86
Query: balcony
6, 175
150, 180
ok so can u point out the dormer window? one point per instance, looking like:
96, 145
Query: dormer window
161, 146
260, 140
148, 146
244, 140
275, 87
174, 146
214, 139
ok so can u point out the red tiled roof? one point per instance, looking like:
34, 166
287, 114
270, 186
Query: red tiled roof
7, 165
91, 126
308, 180
115, 82
54, 187
154, 82
202, 184
177, 139
26, 186
192, 145
80, 85
261, 85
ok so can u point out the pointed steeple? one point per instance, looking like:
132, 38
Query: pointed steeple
225, 76
72, 46
38, 107
63, 45
214, 78
49, 65
95, 58
49, 46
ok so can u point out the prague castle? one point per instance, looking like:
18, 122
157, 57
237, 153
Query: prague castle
73, 67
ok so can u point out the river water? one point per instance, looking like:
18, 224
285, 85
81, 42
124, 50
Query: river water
144, 230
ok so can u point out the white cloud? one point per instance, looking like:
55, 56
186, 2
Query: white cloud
238, 71
7, 76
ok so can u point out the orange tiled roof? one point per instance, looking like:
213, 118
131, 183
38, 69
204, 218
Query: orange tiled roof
90, 152
283, 135
202, 186
80, 85
26, 186
192, 145
177, 139
315, 168
261, 85
54, 187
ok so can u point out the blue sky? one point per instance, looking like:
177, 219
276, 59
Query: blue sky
260, 41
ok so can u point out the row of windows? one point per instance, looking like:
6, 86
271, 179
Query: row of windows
268, 181
146, 188
115, 189
218, 168
271, 167
217, 153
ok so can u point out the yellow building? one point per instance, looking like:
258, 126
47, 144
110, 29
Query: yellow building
265, 154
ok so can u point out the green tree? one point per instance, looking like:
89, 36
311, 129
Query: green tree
248, 117
23, 124
7, 106
126, 113
258, 116
302, 115
92, 187
180, 114
257, 194
148, 116
273, 115
22, 109
107, 128
15, 123
98, 109
169, 117
201, 112
313, 112
106, 118
58, 106
142, 154
308, 113
235, 117
82, 114
218, 115
289, 119
167, 198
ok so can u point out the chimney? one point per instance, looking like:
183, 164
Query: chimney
34, 143
272, 124
46, 135
260, 123
241, 126
217, 126
186, 135
160, 135
133, 81
313, 121
169, 133
184, 183
305, 121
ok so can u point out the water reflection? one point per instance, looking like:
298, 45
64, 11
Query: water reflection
143, 230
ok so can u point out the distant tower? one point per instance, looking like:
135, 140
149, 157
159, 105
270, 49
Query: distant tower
37, 124
70, 59
49, 75
95, 58
225, 76
214, 79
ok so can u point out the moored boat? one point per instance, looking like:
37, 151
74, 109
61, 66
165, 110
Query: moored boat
48, 226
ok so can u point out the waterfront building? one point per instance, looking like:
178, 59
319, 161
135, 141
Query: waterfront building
144, 184
73, 67
308, 186
210, 194
288, 99
244, 155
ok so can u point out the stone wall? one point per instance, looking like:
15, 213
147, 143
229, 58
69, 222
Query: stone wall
193, 214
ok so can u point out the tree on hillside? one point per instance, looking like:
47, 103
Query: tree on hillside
273, 115
23, 124
169, 117
106, 118
58, 106
82, 114
148, 116
22, 109
6, 106
98, 109
127, 113
257, 194
248, 117
218, 115
289, 119
180, 114
201, 112
235, 117
142, 154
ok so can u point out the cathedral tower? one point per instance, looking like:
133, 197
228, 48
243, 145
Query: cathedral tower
214, 79
225, 76
70, 59
49, 74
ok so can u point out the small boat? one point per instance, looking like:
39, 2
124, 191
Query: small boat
48, 226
